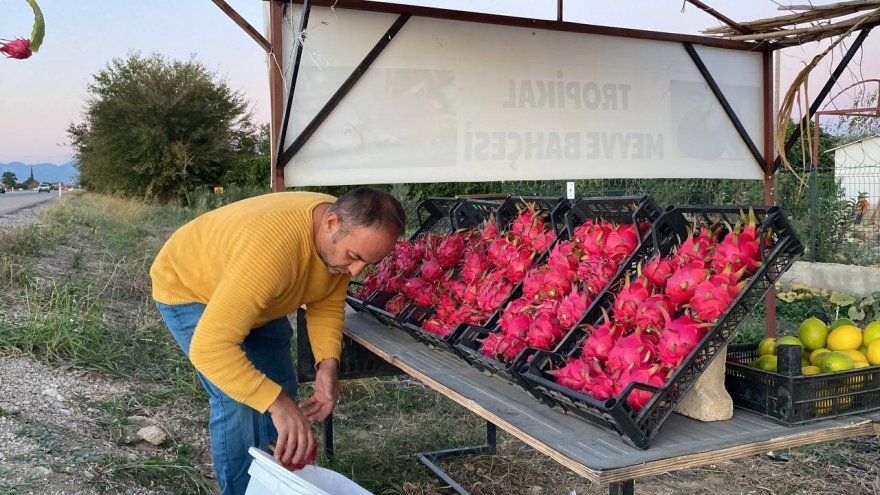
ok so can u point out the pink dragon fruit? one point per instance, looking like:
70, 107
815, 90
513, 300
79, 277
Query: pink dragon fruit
502, 347
678, 338
628, 299
631, 350
651, 375
18, 48
600, 340
544, 332
572, 375
571, 308
657, 270
681, 285
653, 312
710, 300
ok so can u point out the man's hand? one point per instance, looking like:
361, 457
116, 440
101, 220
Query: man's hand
321, 403
295, 440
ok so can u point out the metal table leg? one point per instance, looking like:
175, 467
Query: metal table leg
428, 458
329, 449
627, 487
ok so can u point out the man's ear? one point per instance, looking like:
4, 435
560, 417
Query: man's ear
331, 222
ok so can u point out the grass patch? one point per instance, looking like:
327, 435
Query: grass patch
175, 475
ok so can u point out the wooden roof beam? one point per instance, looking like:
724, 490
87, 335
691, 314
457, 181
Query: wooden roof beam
244, 24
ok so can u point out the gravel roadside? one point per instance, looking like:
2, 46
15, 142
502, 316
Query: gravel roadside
60, 429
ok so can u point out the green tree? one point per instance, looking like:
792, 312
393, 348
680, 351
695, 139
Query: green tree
252, 169
9, 179
158, 129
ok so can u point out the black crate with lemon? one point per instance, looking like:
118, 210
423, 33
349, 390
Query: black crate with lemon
827, 371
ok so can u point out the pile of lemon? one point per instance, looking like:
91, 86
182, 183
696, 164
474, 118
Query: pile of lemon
840, 346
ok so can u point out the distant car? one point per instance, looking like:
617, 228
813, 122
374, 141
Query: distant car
44, 187
2, 188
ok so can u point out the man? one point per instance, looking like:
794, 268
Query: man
225, 283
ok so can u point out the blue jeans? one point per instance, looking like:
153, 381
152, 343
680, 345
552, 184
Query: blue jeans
235, 427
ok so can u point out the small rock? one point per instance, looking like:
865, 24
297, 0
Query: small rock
53, 394
152, 434
41, 471
536, 490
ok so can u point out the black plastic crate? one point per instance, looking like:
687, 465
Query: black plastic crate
799, 399
412, 324
639, 427
467, 345
470, 214
377, 306
556, 208
356, 360
352, 300
621, 210
435, 215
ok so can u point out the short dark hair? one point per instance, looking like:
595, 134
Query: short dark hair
368, 207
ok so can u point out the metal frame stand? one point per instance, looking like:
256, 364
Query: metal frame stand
428, 458
627, 487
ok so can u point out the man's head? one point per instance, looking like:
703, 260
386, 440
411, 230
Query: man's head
359, 229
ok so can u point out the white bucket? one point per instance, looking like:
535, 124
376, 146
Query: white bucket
270, 478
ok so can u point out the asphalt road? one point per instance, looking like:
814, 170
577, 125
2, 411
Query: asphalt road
16, 200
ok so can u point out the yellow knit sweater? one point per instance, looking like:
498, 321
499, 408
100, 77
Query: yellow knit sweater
251, 262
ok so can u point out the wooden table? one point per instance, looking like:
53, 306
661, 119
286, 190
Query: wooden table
596, 454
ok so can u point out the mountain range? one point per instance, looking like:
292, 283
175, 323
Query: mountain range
43, 172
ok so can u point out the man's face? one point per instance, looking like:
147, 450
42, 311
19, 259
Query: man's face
350, 251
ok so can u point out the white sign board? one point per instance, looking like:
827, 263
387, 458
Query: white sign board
455, 101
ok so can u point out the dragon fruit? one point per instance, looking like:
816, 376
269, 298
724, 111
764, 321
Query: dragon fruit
631, 350
651, 375
572, 375
678, 338
711, 300
600, 340
628, 299
502, 347
545, 332
571, 308
681, 285
620, 242
657, 270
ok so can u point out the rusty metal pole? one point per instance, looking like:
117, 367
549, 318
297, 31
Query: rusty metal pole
276, 91
814, 183
769, 174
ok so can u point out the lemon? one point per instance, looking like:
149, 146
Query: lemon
844, 337
871, 332
856, 355
860, 364
836, 361
810, 370
841, 322
767, 347
789, 340
815, 360
813, 333
766, 363
873, 353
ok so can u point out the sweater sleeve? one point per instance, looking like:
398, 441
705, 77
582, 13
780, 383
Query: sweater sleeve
253, 275
324, 320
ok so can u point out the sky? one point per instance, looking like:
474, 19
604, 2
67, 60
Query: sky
40, 97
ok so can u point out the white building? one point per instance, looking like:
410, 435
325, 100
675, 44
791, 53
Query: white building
857, 165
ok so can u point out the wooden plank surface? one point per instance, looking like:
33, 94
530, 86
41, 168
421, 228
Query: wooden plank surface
592, 452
